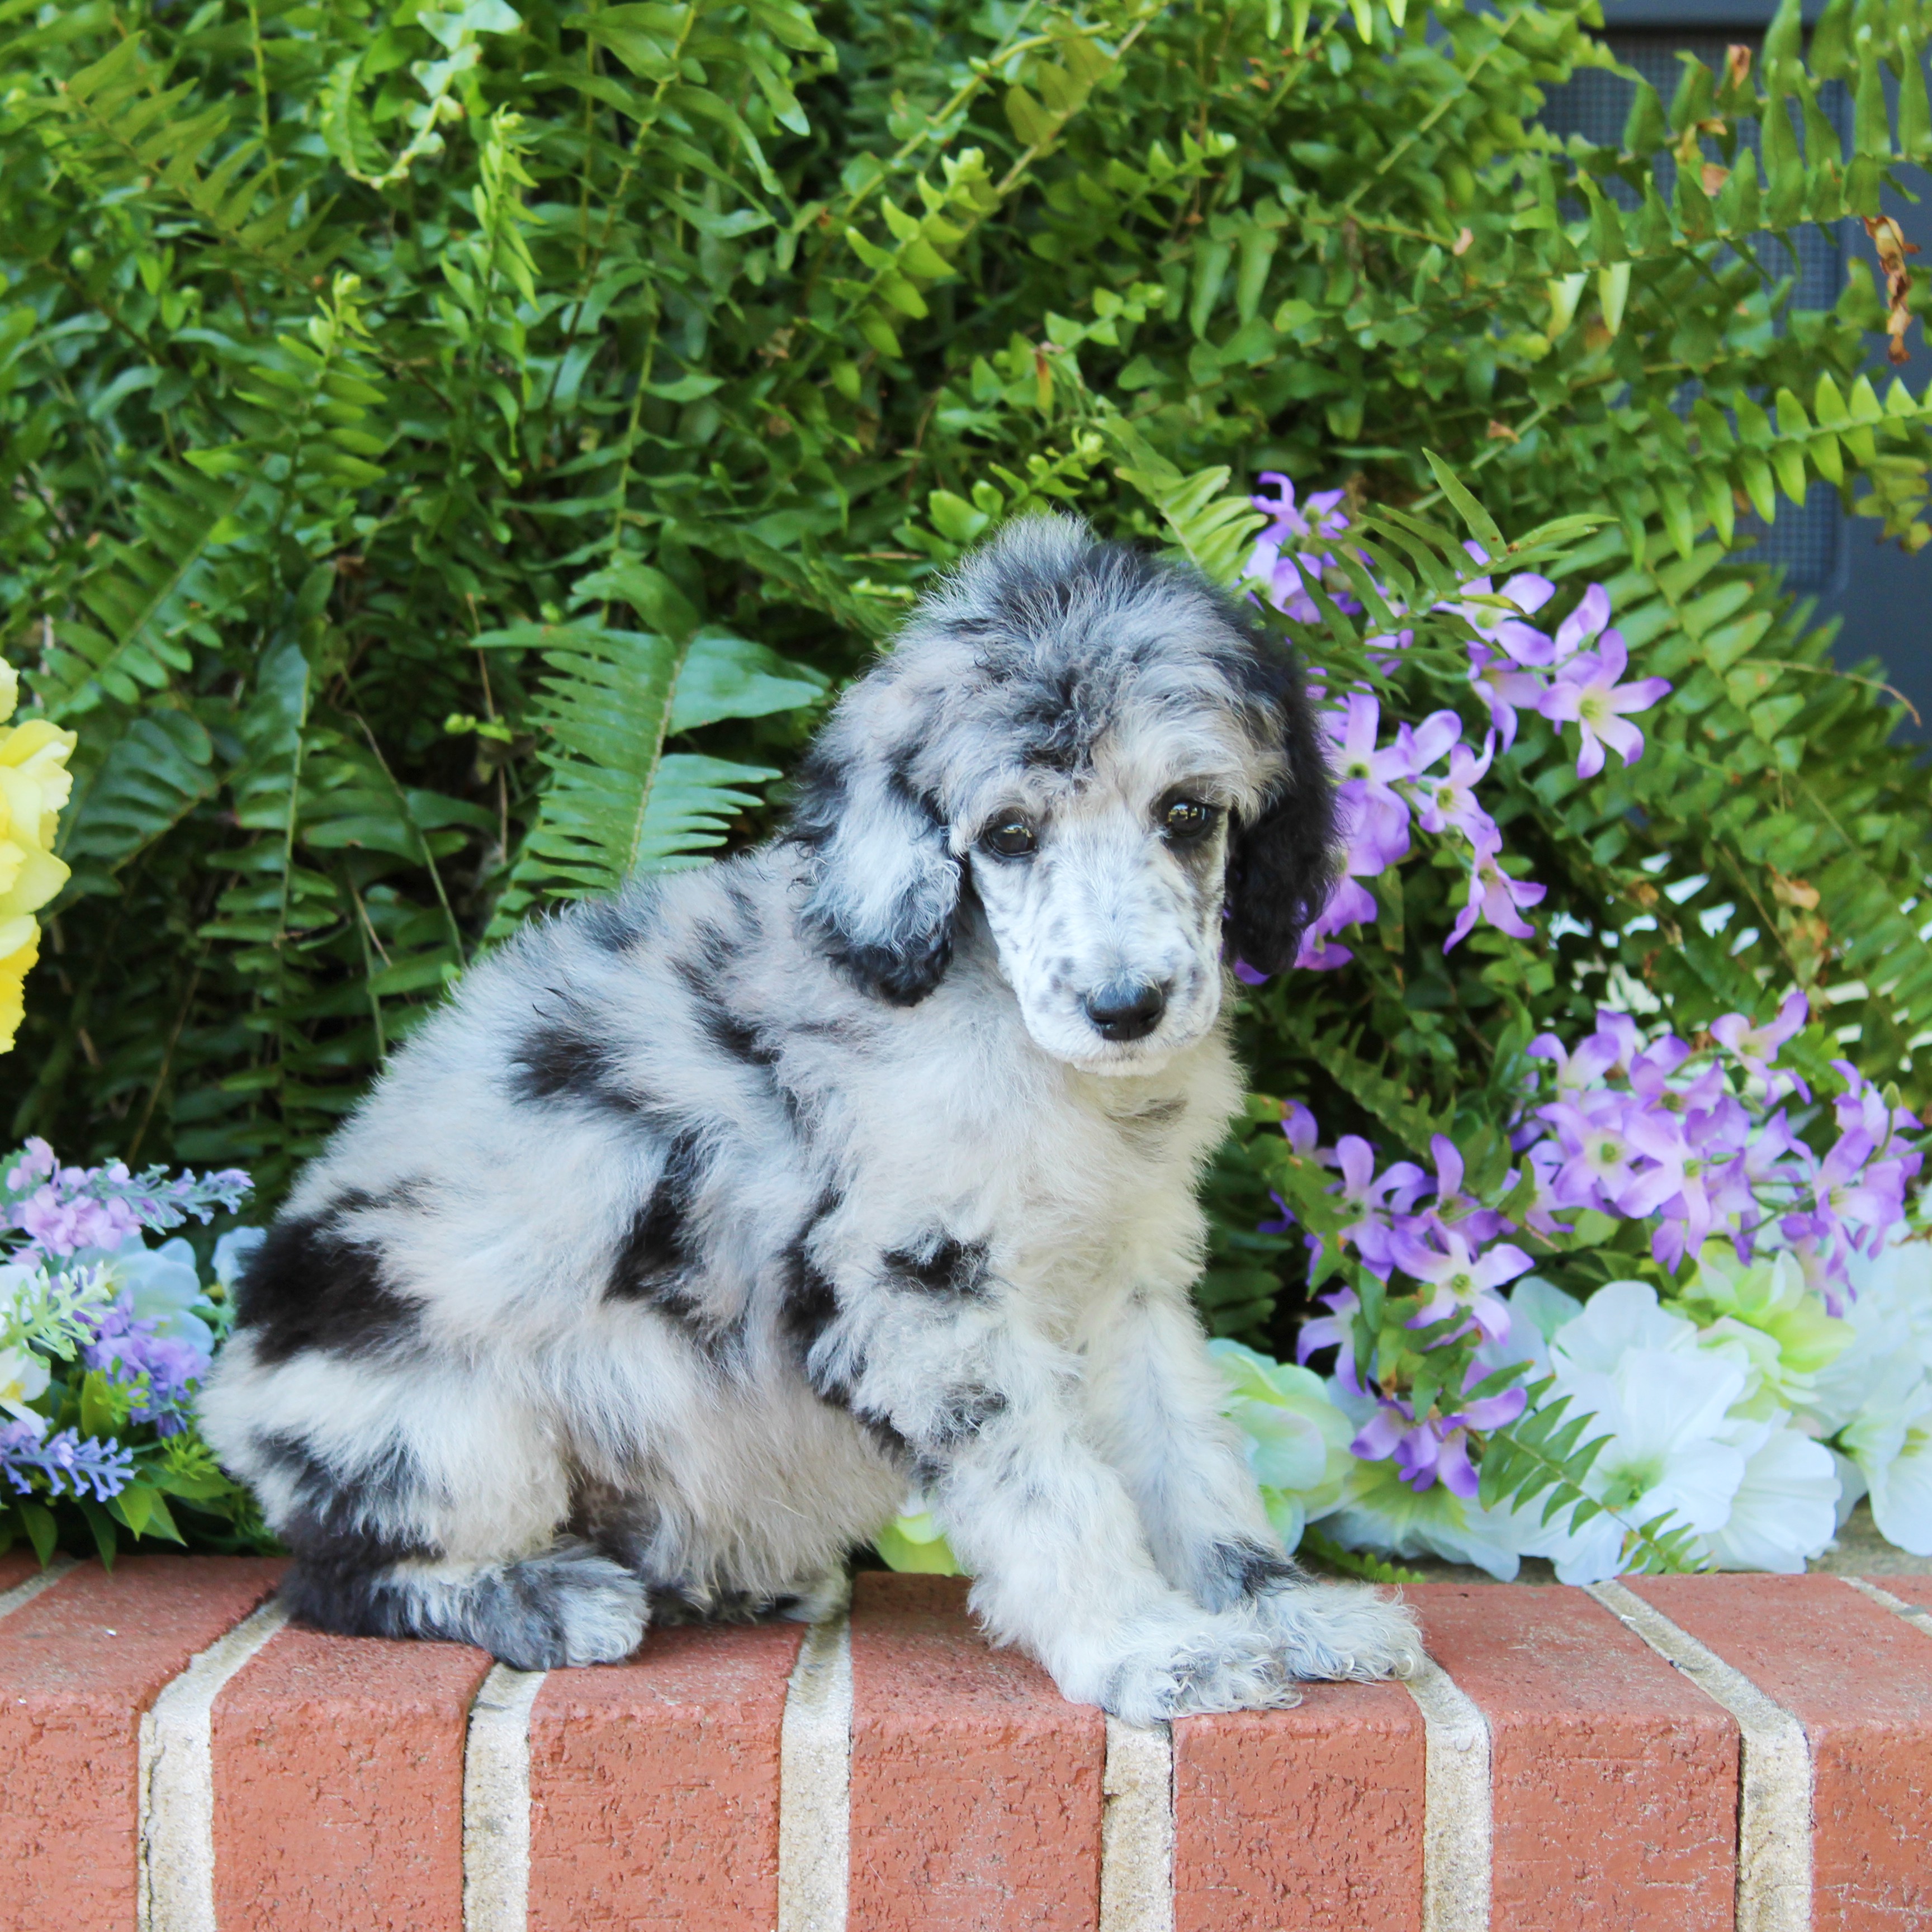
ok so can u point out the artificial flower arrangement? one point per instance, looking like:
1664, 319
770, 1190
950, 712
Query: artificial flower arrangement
1669, 1314
104, 1338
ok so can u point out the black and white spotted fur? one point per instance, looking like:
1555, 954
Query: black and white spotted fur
701, 1223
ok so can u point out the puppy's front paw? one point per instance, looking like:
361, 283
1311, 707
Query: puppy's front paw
1215, 1665
1349, 1631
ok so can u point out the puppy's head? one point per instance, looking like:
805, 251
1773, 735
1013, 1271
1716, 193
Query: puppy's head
1109, 754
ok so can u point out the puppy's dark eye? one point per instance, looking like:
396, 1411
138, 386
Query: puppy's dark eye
1187, 819
1009, 838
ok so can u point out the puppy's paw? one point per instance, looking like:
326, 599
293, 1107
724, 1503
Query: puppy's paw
1217, 1665
1350, 1630
566, 1606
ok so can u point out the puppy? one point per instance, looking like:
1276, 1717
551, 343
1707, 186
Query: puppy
700, 1223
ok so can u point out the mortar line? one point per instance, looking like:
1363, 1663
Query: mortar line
1137, 1829
1775, 1782
1457, 1820
175, 1843
815, 1783
497, 1802
22, 1595
1919, 1619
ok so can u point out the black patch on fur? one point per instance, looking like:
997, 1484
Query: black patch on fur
615, 925
559, 1062
963, 1414
1282, 864
904, 968
340, 1579
1244, 1568
658, 1247
940, 1266
311, 1286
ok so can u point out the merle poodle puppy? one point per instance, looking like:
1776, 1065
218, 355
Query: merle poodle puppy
702, 1223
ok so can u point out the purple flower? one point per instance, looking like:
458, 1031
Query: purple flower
1450, 802
1435, 1449
129, 1351
1350, 904
1675, 1186
1505, 689
1462, 1282
1494, 896
69, 1463
1755, 1047
1597, 1169
1376, 814
1335, 1329
1582, 624
1298, 1124
1586, 691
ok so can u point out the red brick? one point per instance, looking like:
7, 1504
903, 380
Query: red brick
1858, 1677
71, 1697
15, 1566
976, 1787
654, 1785
1613, 1779
338, 1781
1311, 1817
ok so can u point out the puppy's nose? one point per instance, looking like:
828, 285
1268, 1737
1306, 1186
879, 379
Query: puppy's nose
1126, 1008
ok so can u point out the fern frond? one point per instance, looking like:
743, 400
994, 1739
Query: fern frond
615, 803
140, 599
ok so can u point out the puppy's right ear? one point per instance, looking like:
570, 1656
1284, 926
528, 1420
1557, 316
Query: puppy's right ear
886, 887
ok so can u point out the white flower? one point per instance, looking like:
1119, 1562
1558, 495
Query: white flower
233, 1252
1663, 1409
162, 1286
1297, 1440
1785, 1509
1890, 1441
1620, 1315
23, 1380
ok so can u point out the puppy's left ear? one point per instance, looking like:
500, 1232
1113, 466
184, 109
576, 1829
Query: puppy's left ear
1283, 862
886, 888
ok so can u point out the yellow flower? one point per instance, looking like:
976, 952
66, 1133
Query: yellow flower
34, 786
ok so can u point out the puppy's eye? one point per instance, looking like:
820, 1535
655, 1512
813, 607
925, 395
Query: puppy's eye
1010, 837
1187, 819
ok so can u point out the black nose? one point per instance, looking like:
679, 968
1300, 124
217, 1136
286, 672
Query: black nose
1126, 1008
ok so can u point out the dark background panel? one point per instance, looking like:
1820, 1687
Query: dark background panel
1881, 597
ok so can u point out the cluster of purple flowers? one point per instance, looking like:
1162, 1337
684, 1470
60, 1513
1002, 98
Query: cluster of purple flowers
72, 1226
1423, 1224
162, 1369
62, 1210
71, 1464
1642, 1130
1696, 1141
1513, 666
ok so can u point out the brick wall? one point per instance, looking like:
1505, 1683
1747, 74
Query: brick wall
1675, 1753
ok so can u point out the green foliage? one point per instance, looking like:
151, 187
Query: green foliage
449, 455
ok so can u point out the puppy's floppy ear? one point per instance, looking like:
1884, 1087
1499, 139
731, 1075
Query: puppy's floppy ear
886, 887
1283, 861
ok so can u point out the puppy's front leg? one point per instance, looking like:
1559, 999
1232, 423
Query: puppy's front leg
1156, 1397
986, 1412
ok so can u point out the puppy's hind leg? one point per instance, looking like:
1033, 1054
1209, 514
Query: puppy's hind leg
565, 1605
373, 1558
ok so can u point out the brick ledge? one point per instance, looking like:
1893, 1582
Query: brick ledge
1680, 1752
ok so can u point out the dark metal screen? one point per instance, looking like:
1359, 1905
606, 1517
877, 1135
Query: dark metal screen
1808, 540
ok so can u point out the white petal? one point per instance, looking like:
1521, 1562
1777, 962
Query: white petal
1786, 1509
